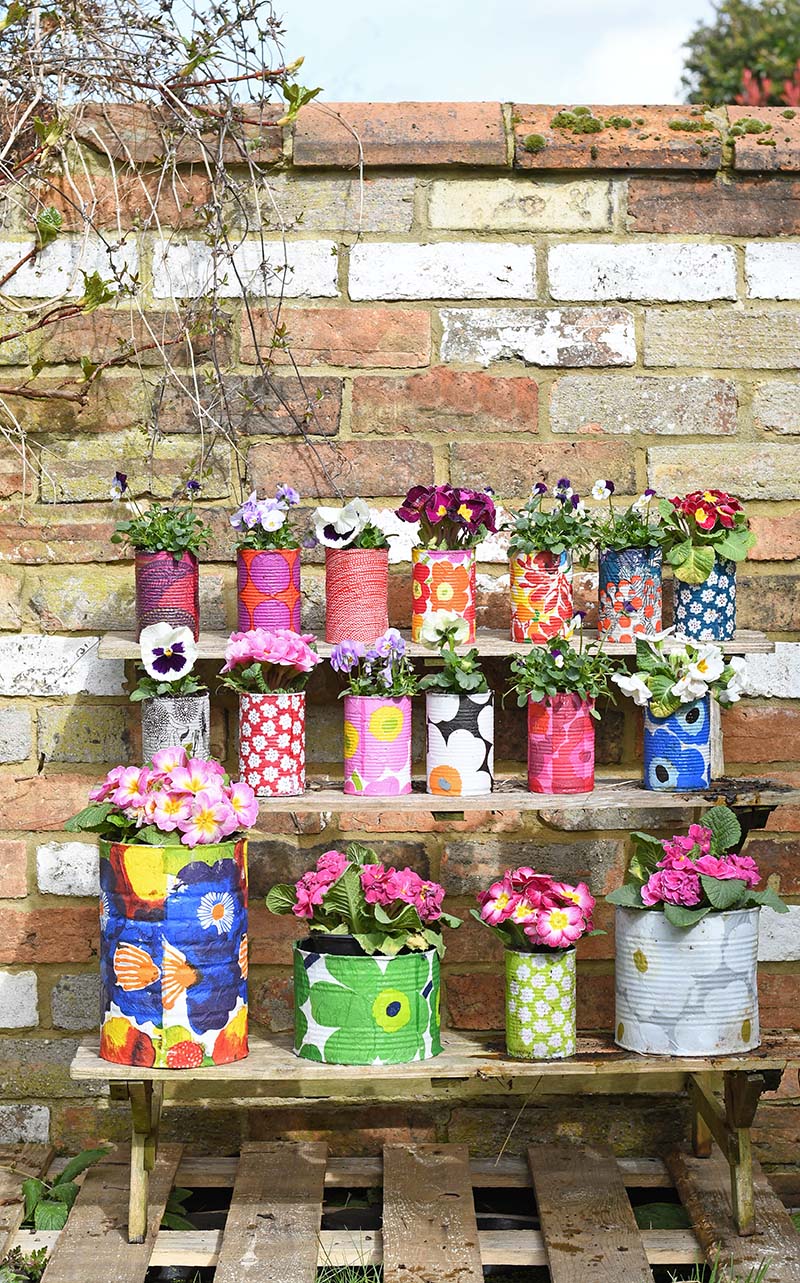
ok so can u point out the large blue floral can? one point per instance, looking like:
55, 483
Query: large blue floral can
628, 593
707, 611
173, 954
677, 749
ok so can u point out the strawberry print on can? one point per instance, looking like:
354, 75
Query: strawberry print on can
377, 745
268, 588
167, 590
541, 595
442, 580
629, 593
560, 745
272, 743
356, 594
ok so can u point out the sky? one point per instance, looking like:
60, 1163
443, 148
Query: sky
571, 51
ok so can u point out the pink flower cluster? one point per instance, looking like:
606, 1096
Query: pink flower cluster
388, 887
677, 876
549, 913
179, 792
279, 648
312, 886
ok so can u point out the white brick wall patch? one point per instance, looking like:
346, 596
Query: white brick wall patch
68, 868
19, 1007
58, 268
466, 270
669, 273
301, 269
773, 270
539, 336
32, 664
777, 675
24, 1124
779, 935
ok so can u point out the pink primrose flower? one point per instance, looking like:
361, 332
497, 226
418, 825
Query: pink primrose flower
701, 837
672, 886
534, 886
131, 791
405, 885
242, 801
557, 926
195, 777
580, 895
498, 903
110, 784
211, 819
374, 883
168, 759
170, 810
330, 866
283, 647
309, 892
746, 869
429, 901
730, 866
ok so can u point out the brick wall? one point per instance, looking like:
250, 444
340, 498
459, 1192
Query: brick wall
520, 302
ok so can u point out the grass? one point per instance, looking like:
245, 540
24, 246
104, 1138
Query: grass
759, 1274
349, 1274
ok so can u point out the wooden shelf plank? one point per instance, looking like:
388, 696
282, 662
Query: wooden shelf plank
480, 1058
510, 794
490, 642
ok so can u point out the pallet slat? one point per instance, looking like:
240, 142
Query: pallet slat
274, 1219
430, 1234
94, 1242
704, 1188
17, 1163
586, 1217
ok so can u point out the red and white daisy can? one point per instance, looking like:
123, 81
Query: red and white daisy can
272, 743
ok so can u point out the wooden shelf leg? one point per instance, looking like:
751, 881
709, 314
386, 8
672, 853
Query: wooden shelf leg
145, 1111
702, 1138
742, 1094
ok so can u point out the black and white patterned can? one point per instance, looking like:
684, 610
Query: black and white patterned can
168, 721
460, 743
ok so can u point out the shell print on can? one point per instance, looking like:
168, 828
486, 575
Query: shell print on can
629, 593
460, 738
356, 594
167, 591
182, 719
442, 579
560, 745
377, 745
707, 611
268, 588
541, 595
687, 991
677, 749
540, 1004
272, 743
173, 955
366, 1010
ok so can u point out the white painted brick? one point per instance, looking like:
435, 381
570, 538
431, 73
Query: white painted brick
472, 269
773, 270
31, 664
539, 336
521, 205
670, 273
19, 1006
15, 735
24, 1124
301, 269
68, 868
779, 935
775, 676
57, 269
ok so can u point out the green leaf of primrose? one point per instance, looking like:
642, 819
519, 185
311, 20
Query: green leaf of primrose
281, 898
681, 916
696, 567
629, 896
725, 828
723, 893
767, 899
33, 1191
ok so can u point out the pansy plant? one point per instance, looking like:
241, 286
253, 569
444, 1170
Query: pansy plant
665, 679
701, 527
559, 667
556, 522
637, 526
350, 526
265, 523
689, 876
382, 669
168, 656
460, 672
449, 516
158, 528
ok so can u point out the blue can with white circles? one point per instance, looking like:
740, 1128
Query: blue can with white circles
677, 748
707, 611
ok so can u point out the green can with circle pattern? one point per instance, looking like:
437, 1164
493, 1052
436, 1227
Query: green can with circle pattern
540, 1004
366, 1010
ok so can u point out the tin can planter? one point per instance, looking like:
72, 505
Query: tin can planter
541, 595
356, 594
268, 594
686, 991
460, 743
707, 611
359, 1010
540, 1004
442, 579
167, 591
677, 749
377, 745
272, 743
629, 593
560, 745
173, 955
182, 719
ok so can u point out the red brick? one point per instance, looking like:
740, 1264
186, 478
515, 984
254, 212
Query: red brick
777, 858
777, 538
357, 467
761, 733
649, 145
777, 148
132, 132
389, 821
512, 471
444, 400
258, 406
271, 936
784, 819
116, 401
102, 334
767, 602
13, 869
400, 133
51, 533
347, 1130
272, 1002
476, 1000
776, 1136
762, 206
49, 935
41, 802
358, 338
133, 201
779, 998
16, 474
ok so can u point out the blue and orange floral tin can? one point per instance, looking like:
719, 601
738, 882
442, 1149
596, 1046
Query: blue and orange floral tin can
629, 593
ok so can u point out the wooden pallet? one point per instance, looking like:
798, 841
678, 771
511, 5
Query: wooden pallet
490, 642
430, 1232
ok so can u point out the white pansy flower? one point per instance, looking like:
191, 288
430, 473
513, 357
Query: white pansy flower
168, 653
601, 490
689, 688
338, 527
438, 623
633, 685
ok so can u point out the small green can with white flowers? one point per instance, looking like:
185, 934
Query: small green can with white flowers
540, 1004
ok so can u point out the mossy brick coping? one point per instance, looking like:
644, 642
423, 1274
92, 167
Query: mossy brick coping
490, 135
